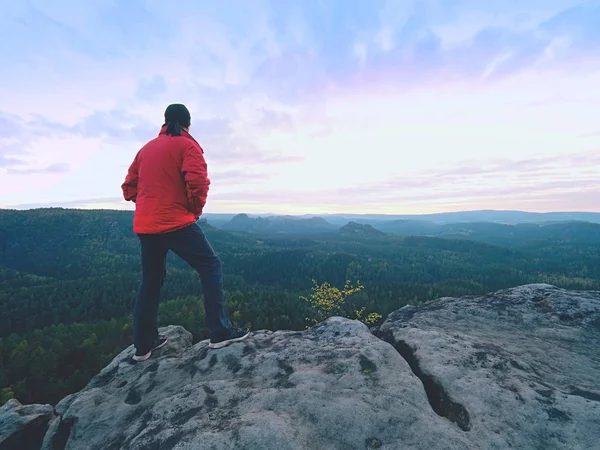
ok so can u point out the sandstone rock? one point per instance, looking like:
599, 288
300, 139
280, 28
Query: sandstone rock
519, 368
335, 386
22, 427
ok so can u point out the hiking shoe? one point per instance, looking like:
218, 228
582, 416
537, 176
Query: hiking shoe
160, 342
235, 335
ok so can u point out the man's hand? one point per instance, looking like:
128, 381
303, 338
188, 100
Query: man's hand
195, 174
129, 187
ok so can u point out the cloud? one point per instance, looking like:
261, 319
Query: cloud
10, 153
237, 177
12, 141
23, 140
502, 175
280, 120
57, 168
217, 136
8, 125
592, 134
240, 151
90, 202
514, 180
9, 161
567, 182
287, 49
314, 89
116, 124
578, 24
226, 141
211, 129
365, 200
465, 39
149, 89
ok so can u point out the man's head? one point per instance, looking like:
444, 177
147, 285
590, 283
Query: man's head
178, 114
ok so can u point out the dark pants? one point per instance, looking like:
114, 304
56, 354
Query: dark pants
192, 246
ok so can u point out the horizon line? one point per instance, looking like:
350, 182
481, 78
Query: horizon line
318, 214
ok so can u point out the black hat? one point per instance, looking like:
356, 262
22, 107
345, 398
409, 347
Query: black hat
178, 113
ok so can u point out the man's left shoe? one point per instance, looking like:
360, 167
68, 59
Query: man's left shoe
160, 342
234, 335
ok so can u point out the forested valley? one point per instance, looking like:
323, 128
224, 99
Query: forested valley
68, 279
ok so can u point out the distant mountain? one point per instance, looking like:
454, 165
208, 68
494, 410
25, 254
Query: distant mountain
499, 234
359, 229
218, 220
408, 227
506, 217
278, 224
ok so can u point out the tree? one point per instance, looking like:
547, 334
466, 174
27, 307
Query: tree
326, 300
5, 395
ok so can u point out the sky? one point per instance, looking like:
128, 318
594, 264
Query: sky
317, 106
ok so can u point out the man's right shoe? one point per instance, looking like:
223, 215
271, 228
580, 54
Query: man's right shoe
235, 335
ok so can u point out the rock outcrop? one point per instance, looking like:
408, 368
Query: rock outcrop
514, 369
359, 229
22, 427
333, 386
519, 368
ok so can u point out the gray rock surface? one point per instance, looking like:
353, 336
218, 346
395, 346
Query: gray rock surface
519, 368
515, 369
335, 386
22, 427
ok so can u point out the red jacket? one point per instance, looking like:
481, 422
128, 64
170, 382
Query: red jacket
168, 182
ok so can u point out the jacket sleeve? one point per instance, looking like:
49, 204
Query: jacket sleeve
195, 175
129, 187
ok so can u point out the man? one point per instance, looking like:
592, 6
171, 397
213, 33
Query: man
168, 182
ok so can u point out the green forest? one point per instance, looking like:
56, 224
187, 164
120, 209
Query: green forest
68, 280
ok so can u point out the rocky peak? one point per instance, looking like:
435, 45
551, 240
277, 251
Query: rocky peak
242, 217
354, 229
518, 368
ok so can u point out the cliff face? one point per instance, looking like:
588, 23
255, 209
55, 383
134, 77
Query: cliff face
514, 369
